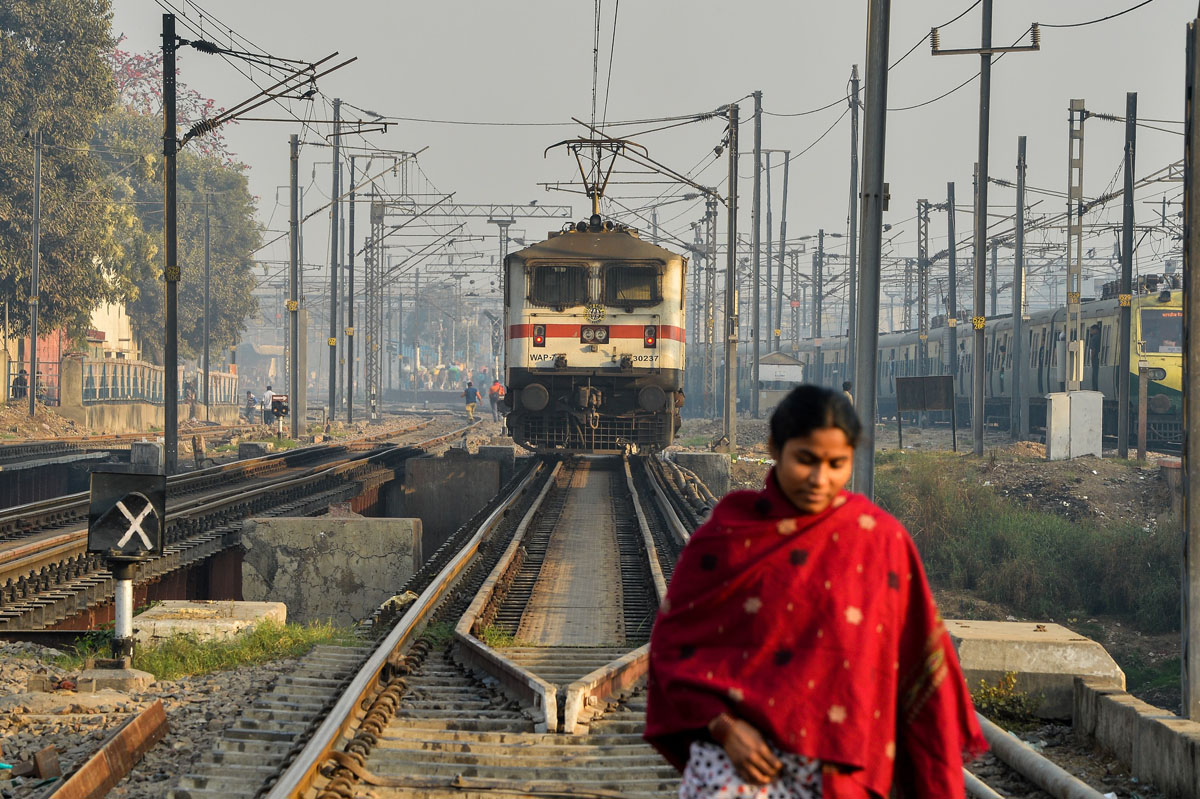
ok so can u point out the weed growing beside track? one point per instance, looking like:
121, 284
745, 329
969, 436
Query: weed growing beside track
1040, 564
184, 655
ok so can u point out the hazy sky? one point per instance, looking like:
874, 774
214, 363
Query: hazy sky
531, 61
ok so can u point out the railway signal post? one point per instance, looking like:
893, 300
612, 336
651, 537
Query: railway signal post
126, 518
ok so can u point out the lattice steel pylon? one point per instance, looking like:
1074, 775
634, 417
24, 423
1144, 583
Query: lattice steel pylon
1075, 246
710, 304
797, 303
373, 352
908, 293
923, 285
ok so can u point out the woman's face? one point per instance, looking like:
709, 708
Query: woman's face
813, 469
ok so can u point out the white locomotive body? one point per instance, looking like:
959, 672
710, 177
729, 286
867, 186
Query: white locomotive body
594, 344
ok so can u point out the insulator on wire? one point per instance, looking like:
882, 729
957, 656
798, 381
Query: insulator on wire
202, 127
205, 47
1035, 36
934, 39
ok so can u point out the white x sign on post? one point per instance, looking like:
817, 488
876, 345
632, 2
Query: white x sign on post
135, 525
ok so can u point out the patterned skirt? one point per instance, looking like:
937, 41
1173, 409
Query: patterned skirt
710, 775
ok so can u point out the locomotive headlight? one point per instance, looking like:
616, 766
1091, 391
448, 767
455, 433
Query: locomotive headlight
602, 334
589, 334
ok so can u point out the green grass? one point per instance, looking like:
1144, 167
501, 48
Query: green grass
1040, 564
439, 633
497, 638
695, 441
1142, 676
183, 655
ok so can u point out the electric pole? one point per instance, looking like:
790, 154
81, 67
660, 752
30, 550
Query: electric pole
350, 305
952, 289
170, 241
1190, 665
333, 261
770, 252
818, 306
979, 319
731, 308
207, 295
755, 245
852, 289
293, 303
1018, 421
923, 288
787, 163
35, 287
995, 289
873, 199
1125, 294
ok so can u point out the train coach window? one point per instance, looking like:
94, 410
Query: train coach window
632, 286
1162, 330
559, 286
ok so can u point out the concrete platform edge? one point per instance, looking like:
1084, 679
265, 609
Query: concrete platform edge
1158, 747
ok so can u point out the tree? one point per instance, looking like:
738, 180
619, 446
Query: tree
54, 79
130, 144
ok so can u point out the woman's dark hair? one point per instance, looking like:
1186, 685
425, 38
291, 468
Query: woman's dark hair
807, 408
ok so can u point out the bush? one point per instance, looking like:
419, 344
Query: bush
1039, 564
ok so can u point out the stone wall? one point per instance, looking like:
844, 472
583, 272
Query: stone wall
328, 568
443, 492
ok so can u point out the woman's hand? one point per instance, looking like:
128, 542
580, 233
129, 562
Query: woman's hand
752, 758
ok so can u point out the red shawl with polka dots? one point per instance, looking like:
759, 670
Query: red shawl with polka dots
820, 630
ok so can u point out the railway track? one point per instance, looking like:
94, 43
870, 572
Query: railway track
517, 671
45, 448
47, 575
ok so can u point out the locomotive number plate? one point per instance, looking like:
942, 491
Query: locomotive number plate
595, 312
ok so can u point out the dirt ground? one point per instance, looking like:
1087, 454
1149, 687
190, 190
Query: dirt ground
1096, 491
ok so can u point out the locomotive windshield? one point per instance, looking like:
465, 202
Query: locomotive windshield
559, 286
1162, 330
629, 285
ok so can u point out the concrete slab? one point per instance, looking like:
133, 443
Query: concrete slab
506, 456
206, 620
443, 493
92, 680
146, 457
713, 468
327, 568
50, 703
1045, 657
254, 449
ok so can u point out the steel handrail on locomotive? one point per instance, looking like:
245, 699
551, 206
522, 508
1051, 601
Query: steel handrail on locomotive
594, 344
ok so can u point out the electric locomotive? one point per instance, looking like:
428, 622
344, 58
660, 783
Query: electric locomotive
594, 351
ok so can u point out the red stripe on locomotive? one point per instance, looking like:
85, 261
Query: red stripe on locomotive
634, 332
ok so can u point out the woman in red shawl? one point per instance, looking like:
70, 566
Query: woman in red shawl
799, 652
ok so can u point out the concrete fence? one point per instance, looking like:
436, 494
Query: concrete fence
123, 396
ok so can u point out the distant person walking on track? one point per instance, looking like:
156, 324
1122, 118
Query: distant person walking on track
472, 397
495, 396
268, 395
798, 652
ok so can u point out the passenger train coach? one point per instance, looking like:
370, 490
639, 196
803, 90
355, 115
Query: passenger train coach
595, 341
1156, 339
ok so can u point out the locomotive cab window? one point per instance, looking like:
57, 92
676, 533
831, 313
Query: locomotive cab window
1162, 330
632, 286
558, 286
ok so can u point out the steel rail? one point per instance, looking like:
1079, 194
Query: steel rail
36, 556
299, 776
77, 502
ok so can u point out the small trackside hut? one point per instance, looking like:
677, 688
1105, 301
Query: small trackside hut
595, 341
